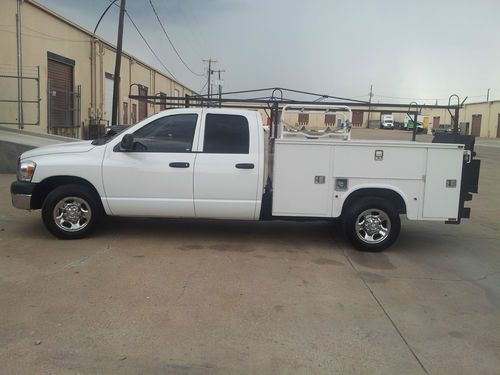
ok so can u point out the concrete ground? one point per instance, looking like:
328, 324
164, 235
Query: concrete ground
150, 296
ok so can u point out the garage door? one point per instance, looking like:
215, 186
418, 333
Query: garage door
357, 118
60, 91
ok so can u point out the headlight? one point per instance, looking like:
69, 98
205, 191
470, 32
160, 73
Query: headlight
25, 170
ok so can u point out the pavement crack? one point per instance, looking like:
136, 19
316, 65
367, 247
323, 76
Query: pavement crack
386, 313
484, 277
73, 264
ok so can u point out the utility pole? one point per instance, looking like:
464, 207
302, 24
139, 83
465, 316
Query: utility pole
219, 84
118, 63
20, 109
209, 74
488, 95
370, 105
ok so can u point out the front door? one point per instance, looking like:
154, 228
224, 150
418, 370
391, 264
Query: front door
435, 122
226, 172
156, 178
476, 125
498, 126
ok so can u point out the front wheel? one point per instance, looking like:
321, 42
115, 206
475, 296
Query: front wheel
70, 211
371, 224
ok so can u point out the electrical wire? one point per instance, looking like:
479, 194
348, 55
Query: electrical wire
149, 46
146, 42
205, 85
171, 43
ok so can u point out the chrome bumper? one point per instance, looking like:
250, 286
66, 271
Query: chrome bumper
21, 201
21, 194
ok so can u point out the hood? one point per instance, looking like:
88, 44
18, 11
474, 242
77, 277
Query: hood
60, 148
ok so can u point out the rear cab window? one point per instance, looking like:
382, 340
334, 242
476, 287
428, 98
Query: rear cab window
226, 134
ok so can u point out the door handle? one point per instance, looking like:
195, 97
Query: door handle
245, 166
179, 165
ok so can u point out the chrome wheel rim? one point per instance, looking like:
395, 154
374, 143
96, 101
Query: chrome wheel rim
373, 226
72, 214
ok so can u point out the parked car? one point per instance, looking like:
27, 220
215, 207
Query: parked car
442, 129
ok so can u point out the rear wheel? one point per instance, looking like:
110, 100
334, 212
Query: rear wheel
371, 224
70, 211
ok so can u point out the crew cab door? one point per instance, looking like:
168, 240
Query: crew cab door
156, 178
226, 172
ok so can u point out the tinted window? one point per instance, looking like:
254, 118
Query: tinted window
168, 134
226, 134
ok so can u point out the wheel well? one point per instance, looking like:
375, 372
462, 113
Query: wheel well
44, 187
387, 194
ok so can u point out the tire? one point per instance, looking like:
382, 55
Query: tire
383, 217
71, 211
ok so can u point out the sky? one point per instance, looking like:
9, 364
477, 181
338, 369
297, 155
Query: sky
421, 50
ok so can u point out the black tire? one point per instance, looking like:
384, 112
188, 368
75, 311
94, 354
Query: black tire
78, 208
386, 219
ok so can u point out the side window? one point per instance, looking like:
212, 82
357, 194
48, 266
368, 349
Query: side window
226, 134
168, 134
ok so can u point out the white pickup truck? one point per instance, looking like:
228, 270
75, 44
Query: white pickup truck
221, 164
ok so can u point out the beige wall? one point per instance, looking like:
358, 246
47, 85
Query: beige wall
489, 112
42, 32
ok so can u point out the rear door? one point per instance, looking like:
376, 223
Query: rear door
226, 172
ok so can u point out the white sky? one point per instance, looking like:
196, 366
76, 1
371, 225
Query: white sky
424, 50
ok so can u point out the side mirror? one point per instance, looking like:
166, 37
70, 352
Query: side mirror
127, 143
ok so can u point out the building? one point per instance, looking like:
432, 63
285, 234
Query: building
67, 76
481, 119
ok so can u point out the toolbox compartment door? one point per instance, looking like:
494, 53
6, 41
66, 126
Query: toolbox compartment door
302, 185
442, 183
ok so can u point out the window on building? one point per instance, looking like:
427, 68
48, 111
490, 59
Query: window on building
168, 134
125, 113
226, 134
303, 118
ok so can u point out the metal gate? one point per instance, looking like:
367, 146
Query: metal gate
64, 116
20, 95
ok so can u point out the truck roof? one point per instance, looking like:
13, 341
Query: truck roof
211, 109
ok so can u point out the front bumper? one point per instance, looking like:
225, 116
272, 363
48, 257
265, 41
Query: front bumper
21, 193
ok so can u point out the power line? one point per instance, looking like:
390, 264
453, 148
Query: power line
205, 85
171, 43
147, 44
150, 48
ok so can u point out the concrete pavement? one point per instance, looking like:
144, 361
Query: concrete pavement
159, 296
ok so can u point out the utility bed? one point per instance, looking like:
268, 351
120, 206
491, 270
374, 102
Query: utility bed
312, 177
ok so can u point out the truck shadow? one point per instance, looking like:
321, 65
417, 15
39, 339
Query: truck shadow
223, 235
